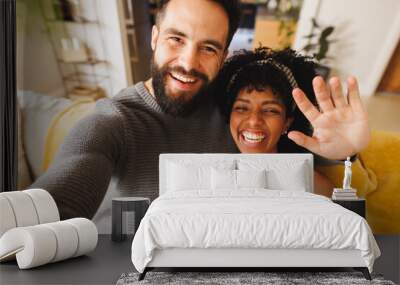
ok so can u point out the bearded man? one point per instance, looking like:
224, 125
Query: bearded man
170, 113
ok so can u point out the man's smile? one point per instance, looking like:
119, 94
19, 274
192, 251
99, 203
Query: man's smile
183, 82
183, 78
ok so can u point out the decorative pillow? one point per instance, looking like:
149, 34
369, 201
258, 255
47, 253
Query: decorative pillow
227, 179
46, 122
223, 179
381, 163
181, 177
281, 174
288, 179
38, 112
251, 178
193, 174
61, 125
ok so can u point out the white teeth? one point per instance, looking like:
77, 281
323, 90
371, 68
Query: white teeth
183, 78
252, 137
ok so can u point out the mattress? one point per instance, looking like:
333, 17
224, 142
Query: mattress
251, 219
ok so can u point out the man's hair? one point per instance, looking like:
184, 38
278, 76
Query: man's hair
231, 7
247, 74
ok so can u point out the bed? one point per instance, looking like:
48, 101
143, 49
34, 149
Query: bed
247, 211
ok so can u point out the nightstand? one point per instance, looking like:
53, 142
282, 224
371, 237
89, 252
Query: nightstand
356, 205
127, 212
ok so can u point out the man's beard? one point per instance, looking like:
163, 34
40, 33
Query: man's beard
179, 105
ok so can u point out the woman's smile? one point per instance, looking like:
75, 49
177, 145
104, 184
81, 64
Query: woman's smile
258, 119
252, 137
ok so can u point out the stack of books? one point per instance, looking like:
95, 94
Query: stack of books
344, 194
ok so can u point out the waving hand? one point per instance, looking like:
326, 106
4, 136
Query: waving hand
340, 124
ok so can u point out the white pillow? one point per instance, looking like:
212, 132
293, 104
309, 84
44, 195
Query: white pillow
236, 179
251, 178
223, 179
292, 179
181, 178
38, 111
193, 174
281, 174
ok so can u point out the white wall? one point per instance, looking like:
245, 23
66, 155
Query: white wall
112, 41
38, 69
36, 63
105, 42
366, 32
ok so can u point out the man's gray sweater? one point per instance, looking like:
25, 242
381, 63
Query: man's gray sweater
123, 138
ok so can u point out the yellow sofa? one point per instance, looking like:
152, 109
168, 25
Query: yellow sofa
376, 176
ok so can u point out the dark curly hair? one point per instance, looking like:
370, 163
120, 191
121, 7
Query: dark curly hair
251, 76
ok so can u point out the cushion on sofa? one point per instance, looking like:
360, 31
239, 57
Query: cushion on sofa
61, 125
383, 205
376, 176
38, 112
46, 120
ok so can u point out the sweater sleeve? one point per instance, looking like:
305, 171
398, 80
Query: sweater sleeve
79, 177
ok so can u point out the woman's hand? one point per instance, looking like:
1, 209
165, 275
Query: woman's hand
340, 126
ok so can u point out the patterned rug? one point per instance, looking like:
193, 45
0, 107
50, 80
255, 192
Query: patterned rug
244, 278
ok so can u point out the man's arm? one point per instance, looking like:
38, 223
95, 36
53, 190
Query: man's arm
80, 175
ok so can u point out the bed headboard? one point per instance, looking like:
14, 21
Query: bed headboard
209, 158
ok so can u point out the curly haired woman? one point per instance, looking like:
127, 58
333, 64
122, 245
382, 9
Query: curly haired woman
263, 96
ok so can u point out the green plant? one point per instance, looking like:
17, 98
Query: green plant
319, 41
286, 30
287, 13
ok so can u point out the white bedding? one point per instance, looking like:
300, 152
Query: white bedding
251, 218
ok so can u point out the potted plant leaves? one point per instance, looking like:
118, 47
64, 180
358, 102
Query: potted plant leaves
288, 14
318, 45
